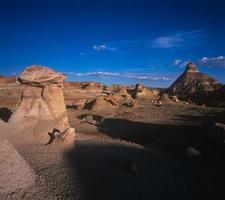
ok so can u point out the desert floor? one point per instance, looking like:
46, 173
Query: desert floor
132, 153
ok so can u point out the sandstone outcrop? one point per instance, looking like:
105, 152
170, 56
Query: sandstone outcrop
142, 92
42, 102
108, 101
123, 98
101, 103
165, 99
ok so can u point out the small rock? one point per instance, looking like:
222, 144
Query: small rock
192, 153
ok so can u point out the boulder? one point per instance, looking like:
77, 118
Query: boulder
215, 132
192, 153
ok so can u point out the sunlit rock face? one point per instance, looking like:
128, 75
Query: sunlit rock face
16, 175
192, 81
191, 67
42, 101
142, 92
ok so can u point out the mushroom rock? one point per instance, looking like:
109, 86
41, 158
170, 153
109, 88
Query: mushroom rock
42, 102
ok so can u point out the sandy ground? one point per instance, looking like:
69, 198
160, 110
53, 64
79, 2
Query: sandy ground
133, 153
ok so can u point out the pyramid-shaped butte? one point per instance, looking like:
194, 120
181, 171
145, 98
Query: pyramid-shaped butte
192, 81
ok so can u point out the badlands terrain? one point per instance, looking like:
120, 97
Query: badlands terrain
73, 140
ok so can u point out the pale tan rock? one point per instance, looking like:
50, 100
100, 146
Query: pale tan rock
142, 92
37, 75
165, 99
174, 98
16, 175
101, 103
42, 101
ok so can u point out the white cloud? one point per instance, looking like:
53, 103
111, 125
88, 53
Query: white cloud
166, 42
102, 74
218, 61
103, 47
177, 39
99, 47
79, 74
177, 62
125, 75
180, 63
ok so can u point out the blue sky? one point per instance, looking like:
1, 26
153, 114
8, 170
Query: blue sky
114, 41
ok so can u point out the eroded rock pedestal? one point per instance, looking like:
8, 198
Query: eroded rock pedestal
42, 105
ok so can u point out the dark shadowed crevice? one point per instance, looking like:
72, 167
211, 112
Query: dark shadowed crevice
5, 114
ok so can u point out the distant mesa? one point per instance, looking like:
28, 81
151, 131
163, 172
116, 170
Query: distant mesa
192, 81
7, 79
198, 88
86, 85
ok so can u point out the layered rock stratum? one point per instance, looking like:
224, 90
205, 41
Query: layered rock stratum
192, 81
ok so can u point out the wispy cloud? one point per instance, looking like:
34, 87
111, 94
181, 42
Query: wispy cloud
181, 63
109, 74
177, 62
218, 61
99, 47
169, 41
103, 47
137, 76
178, 39
166, 42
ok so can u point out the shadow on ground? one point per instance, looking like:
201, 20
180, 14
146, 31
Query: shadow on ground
5, 114
167, 138
207, 118
164, 171
103, 174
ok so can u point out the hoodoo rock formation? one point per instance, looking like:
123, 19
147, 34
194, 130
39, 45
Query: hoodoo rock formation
42, 103
142, 92
123, 98
192, 81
